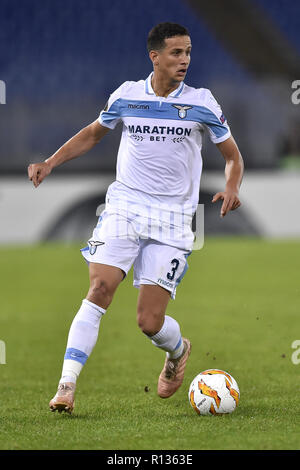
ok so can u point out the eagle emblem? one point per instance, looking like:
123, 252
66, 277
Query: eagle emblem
93, 245
182, 110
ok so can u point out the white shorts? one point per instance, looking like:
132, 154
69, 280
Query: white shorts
121, 242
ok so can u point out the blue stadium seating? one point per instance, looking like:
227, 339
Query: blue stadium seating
60, 60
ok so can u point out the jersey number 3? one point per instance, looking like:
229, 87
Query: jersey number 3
175, 264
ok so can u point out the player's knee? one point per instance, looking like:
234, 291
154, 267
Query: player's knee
149, 321
100, 293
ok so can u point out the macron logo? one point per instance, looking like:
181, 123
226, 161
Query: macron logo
138, 106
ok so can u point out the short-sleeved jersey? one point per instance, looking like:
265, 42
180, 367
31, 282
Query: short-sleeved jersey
159, 157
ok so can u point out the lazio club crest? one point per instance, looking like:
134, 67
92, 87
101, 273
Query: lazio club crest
182, 110
93, 245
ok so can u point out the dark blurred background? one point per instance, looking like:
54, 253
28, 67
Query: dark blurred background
60, 61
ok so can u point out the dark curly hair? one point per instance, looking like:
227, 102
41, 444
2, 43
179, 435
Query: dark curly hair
162, 31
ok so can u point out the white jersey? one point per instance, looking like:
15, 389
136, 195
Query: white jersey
159, 158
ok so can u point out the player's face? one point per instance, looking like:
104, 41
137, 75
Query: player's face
174, 59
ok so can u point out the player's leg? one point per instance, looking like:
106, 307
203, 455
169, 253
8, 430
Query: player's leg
164, 332
104, 280
110, 254
84, 330
155, 266
151, 307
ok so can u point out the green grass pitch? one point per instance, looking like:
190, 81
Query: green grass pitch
239, 304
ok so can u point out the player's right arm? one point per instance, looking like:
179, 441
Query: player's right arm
78, 145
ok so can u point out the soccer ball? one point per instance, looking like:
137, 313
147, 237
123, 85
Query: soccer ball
214, 392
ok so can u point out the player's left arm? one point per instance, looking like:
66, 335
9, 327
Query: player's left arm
234, 169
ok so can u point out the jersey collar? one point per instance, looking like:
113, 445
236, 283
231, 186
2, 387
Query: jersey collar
149, 90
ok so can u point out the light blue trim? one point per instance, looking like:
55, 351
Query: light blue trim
99, 222
184, 270
76, 355
122, 108
147, 86
180, 88
86, 248
113, 113
178, 344
150, 91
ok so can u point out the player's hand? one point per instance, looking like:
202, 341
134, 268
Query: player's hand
230, 201
38, 171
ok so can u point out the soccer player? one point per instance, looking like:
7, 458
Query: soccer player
149, 208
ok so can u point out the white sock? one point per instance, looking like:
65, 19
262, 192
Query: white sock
82, 338
169, 338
